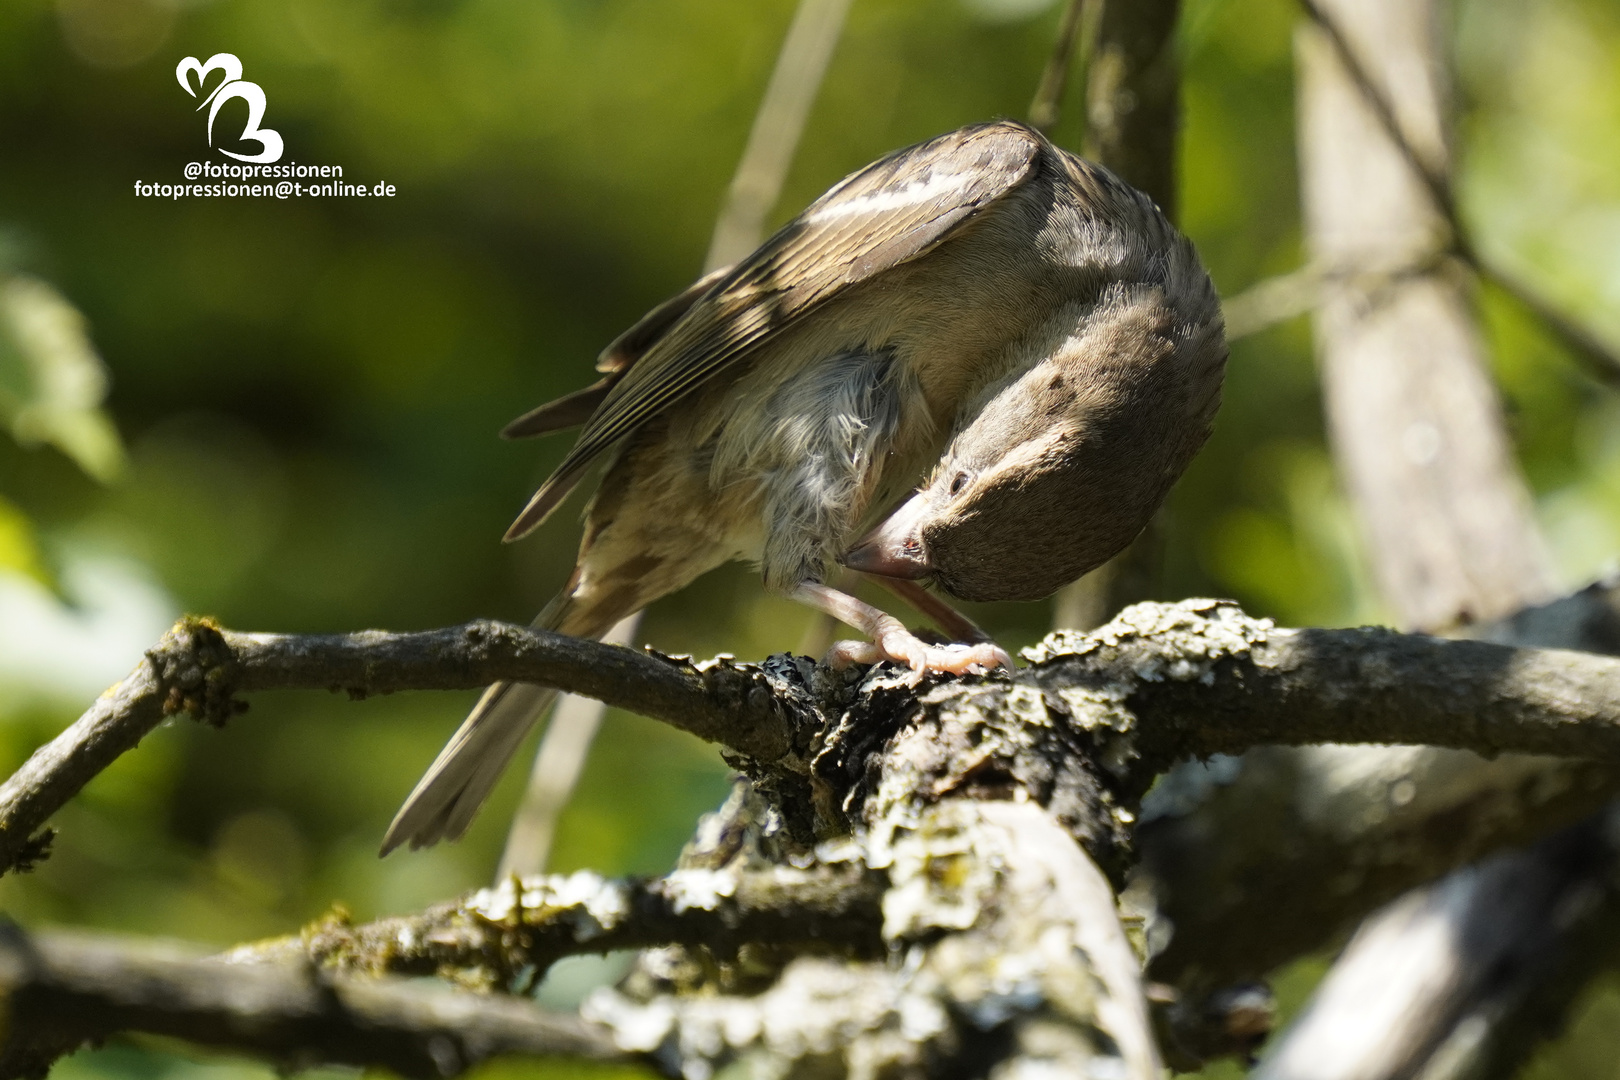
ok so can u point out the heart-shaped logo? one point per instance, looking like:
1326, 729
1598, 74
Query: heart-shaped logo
231, 87
226, 62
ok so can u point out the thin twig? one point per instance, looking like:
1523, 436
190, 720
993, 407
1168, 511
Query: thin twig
199, 668
1077, 32
1278, 299
1600, 360
1272, 301
795, 81
558, 764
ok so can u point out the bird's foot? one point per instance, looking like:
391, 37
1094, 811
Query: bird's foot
899, 645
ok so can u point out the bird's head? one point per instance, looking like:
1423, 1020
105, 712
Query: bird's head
1061, 468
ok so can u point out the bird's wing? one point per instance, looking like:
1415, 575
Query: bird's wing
623, 351
621, 354
886, 214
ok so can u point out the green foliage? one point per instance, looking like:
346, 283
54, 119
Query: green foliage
51, 380
310, 388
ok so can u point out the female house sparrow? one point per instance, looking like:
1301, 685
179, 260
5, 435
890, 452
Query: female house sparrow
768, 410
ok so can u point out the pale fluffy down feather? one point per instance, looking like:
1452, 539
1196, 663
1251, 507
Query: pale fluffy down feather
828, 427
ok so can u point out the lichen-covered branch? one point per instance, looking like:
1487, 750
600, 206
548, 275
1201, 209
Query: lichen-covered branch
1247, 863
1159, 683
1009, 951
885, 818
508, 936
1199, 678
59, 992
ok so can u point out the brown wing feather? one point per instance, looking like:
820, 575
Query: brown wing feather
621, 354
886, 214
568, 411
623, 351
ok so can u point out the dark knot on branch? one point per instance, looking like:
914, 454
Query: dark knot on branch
197, 670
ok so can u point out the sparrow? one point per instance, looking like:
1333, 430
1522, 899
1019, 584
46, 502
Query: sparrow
984, 309
1063, 467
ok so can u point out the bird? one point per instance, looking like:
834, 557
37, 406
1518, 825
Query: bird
983, 311
1062, 468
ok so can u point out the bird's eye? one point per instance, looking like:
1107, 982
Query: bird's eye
958, 482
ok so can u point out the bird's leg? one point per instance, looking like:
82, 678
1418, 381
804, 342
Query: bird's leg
890, 640
955, 624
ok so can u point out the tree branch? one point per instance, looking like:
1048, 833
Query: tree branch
1280, 298
508, 936
1080, 733
795, 80
1453, 962
61, 991
1199, 677
1533, 924
1159, 683
1597, 357
199, 668
1251, 862
1077, 33
1011, 957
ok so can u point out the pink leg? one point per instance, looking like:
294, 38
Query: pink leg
957, 625
891, 640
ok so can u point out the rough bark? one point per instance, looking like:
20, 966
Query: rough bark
508, 936
1248, 862
973, 802
1008, 956
915, 874
1162, 682
1420, 441
1476, 969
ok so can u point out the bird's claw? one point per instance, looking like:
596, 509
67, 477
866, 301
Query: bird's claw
903, 647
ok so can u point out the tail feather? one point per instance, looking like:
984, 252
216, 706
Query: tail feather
551, 493
448, 796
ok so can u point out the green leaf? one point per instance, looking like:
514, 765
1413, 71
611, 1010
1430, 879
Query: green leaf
19, 546
52, 383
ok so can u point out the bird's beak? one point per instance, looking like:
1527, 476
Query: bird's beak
895, 548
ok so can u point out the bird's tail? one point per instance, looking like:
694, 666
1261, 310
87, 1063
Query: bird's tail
449, 794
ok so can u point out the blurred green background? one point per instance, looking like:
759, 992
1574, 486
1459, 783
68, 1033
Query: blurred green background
305, 392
